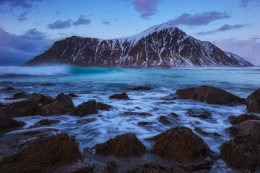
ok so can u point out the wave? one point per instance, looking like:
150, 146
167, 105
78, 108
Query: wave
8, 71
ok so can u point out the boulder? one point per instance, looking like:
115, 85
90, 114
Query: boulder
124, 146
153, 168
7, 124
122, 96
21, 108
9, 89
73, 95
249, 129
60, 106
164, 120
243, 117
240, 154
181, 145
253, 102
85, 108
144, 114
40, 99
103, 106
210, 95
139, 88
200, 113
43, 156
45, 122
144, 123
20, 95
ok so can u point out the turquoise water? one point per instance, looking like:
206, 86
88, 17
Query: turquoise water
103, 82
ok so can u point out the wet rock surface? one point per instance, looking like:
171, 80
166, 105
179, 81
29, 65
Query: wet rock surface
199, 113
122, 96
210, 95
181, 145
85, 108
253, 102
139, 88
103, 106
243, 117
124, 146
7, 124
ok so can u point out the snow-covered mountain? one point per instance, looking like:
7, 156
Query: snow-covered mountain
159, 46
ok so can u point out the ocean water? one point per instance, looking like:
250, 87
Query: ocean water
100, 83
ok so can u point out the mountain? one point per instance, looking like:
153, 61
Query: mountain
159, 46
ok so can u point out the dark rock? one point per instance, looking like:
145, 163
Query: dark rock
200, 113
169, 97
85, 121
40, 99
253, 102
153, 168
202, 132
210, 95
9, 89
123, 96
243, 117
203, 164
52, 152
143, 123
87, 169
73, 95
21, 108
138, 88
240, 154
60, 106
85, 108
20, 95
124, 146
181, 145
174, 114
144, 114
103, 106
164, 120
249, 129
45, 122
7, 124
60, 95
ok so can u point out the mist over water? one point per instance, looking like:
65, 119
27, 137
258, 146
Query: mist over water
103, 82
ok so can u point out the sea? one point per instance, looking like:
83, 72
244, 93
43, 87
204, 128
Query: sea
100, 83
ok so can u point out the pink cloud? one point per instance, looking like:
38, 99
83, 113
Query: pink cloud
146, 8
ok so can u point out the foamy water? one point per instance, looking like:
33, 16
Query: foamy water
103, 82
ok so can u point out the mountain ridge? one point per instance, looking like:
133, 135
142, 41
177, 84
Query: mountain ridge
162, 45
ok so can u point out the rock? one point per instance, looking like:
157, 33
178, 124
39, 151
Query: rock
9, 89
144, 114
174, 114
52, 152
45, 122
73, 95
143, 123
85, 108
249, 129
139, 88
210, 95
124, 146
253, 102
60, 106
21, 108
122, 96
20, 95
200, 113
240, 154
200, 131
40, 99
7, 124
164, 120
88, 169
153, 168
181, 145
243, 117
103, 106
169, 97
203, 164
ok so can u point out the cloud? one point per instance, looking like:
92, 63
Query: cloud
18, 49
199, 18
22, 16
223, 28
106, 22
245, 3
146, 8
248, 49
60, 24
82, 21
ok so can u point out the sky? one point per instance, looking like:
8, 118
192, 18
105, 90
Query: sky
29, 27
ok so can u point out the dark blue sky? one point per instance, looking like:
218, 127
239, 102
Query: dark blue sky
29, 27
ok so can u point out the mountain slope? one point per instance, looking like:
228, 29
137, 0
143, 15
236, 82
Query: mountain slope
159, 46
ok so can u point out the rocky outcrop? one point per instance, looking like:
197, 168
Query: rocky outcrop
7, 124
159, 46
241, 118
210, 95
253, 102
124, 146
138, 88
199, 113
181, 145
85, 108
122, 96
40, 99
